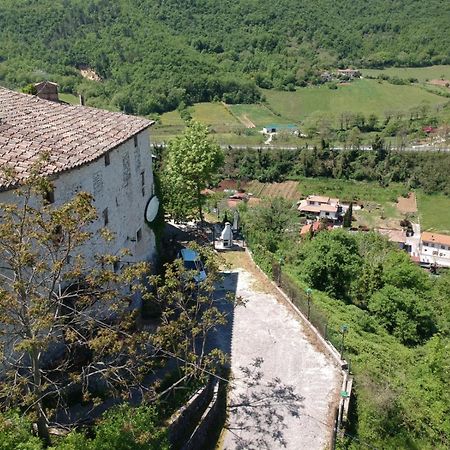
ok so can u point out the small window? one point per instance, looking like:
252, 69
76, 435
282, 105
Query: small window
49, 195
443, 247
143, 183
135, 140
107, 161
105, 217
139, 234
327, 213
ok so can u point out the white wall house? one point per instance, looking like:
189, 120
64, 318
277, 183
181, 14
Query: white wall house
434, 249
320, 207
100, 152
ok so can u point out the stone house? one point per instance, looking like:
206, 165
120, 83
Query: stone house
104, 153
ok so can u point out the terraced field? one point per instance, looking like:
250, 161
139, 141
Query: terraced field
286, 189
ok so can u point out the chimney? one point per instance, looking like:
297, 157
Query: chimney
81, 99
47, 91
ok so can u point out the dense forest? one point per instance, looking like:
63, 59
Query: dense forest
154, 55
428, 171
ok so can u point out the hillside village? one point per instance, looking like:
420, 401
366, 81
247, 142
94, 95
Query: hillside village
224, 226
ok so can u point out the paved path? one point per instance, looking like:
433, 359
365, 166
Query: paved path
284, 386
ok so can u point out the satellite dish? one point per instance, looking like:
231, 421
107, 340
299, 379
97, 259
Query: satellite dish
151, 210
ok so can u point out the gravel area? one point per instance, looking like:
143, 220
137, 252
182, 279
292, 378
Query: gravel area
284, 387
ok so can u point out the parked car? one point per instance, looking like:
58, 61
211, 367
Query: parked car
192, 262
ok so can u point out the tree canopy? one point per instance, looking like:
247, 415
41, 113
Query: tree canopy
191, 163
153, 55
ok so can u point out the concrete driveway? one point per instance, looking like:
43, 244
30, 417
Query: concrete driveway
284, 388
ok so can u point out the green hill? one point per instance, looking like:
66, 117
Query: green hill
153, 55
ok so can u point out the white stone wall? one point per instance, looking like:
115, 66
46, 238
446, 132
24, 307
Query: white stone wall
116, 187
331, 215
434, 253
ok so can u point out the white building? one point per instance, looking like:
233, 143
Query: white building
104, 153
434, 249
320, 207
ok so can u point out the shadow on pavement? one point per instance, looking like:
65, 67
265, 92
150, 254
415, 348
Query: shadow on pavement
256, 412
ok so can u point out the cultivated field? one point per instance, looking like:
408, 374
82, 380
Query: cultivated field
287, 189
364, 96
213, 114
260, 115
421, 73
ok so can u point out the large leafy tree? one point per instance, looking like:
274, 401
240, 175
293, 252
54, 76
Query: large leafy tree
403, 313
192, 161
330, 262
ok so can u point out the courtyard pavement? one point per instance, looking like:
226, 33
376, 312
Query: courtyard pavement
285, 388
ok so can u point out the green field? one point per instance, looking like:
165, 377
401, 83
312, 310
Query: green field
69, 98
214, 114
364, 96
348, 190
171, 118
421, 73
260, 115
434, 212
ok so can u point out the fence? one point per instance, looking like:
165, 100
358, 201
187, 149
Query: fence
304, 302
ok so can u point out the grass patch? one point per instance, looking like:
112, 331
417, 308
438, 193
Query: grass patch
349, 190
434, 211
260, 115
69, 98
171, 118
215, 114
363, 96
421, 73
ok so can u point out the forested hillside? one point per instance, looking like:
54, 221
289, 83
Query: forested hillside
155, 54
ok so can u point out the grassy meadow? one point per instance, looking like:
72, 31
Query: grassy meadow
69, 98
260, 115
214, 114
363, 96
421, 73
434, 212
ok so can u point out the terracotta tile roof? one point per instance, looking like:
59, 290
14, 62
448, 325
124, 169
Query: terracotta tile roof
73, 135
318, 208
318, 198
435, 238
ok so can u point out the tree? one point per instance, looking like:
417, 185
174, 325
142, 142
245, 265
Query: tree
64, 321
269, 224
193, 160
347, 222
403, 313
330, 262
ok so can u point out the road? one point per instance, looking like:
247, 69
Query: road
284, 387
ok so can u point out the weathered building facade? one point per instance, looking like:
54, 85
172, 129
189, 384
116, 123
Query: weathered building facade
104, 153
